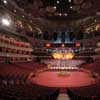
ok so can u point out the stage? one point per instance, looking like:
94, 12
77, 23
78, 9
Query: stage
64, 79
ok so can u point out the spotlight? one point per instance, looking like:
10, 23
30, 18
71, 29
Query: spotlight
5, 22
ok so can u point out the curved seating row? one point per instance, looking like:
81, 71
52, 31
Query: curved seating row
13, 49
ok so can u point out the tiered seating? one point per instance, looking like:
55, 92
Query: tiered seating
27, 92
14, 83
11, 75
19, 72
63, 64
86, 93
31, 65
13, 49
94, 67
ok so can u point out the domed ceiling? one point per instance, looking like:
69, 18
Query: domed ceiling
60, 13
57, 14
62, 9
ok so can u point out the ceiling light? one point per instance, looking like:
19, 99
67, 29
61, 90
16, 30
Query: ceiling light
48, 45
58, 2
65, 14
5, 1
63, 45
55, 7
5, 22
14, 10
23, 16
70, 0
60, 14
71, 7
77, 44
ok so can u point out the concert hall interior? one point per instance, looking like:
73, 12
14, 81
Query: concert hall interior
49, 49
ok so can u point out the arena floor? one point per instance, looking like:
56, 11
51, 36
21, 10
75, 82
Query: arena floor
63, 79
